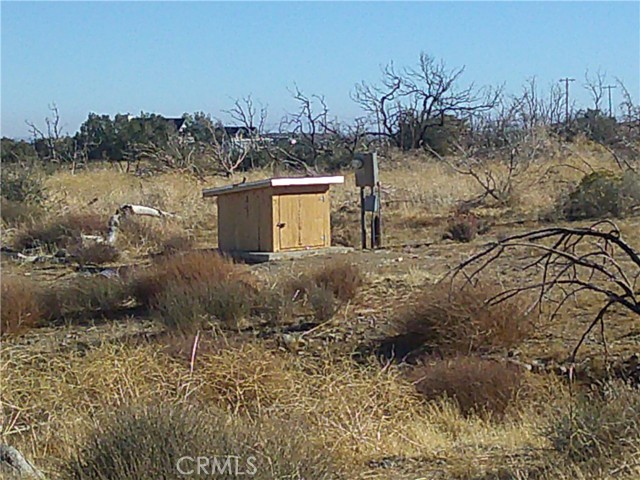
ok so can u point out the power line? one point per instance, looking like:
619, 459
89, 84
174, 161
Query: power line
609, 87
566, 96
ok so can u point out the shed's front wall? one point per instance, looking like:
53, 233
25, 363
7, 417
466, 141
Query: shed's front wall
301, 217
245, 221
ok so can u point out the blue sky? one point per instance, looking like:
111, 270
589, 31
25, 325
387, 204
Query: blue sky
176, 57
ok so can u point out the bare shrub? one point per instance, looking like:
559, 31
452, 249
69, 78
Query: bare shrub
462, 228
478, 386
598, 429
150, 233
340, 277
324, 289
61, 232
20, 306
451, 320
150, 441
19, 184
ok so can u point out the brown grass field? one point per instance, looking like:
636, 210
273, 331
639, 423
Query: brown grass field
297, 357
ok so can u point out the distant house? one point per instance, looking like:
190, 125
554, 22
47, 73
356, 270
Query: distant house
240, 132
178, 123
242, 138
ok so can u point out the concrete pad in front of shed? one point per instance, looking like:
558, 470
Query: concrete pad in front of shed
262, 257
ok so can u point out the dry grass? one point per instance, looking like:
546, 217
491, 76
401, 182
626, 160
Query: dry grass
598, 430
461, 321
84, 298
60, 232
186, 291
149, 441
188, 269
190, 307
478, 386
16, 213
95, 253
370, 419
340, 277
20, 306
176, 243
324, 289
361, 415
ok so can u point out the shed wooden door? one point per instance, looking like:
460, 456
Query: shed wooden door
301, 220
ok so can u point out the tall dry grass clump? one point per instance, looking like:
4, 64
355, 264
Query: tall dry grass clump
461, 321
340, 277
20, 305
152, 441
324, 289
477, 386
84, 296
596, 430
16, 214
186, 269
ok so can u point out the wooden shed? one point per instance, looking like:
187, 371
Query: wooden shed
274, 215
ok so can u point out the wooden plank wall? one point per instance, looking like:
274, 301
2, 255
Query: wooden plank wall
275, 219
245, 221
302, 217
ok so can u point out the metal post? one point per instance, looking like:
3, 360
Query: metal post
379, 230
363, 219
373, 221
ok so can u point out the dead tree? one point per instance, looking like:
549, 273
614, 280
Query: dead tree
309, 127
595, 84
569, 261
58, 146
420, 98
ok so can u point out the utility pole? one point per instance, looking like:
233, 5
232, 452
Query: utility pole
609, 87
566, 97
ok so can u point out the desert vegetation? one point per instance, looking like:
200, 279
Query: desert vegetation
494, 336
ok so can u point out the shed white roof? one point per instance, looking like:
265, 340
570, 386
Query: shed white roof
271, 182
